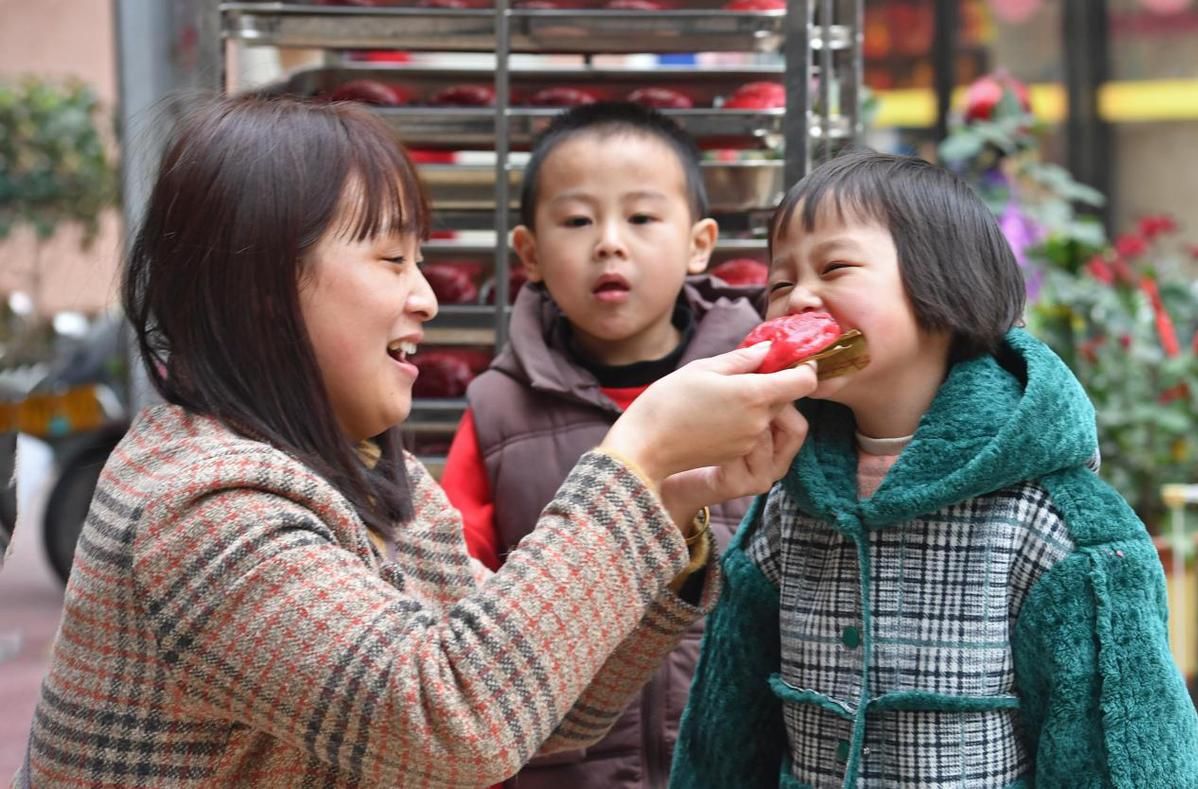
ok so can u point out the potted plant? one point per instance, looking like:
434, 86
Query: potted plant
1122, 314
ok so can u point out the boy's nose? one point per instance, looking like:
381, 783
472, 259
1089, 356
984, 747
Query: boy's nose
611, 242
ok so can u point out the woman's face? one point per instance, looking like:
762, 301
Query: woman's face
364, 304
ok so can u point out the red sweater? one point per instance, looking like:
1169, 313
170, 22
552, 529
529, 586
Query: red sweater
464, 480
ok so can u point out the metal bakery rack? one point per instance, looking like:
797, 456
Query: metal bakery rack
515, 52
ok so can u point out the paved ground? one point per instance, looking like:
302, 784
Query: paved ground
30, 606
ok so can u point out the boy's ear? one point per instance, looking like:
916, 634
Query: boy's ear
525, 244
704, 234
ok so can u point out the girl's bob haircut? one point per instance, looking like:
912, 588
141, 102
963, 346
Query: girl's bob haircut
956, 266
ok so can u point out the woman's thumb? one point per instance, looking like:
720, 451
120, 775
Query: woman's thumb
742, 360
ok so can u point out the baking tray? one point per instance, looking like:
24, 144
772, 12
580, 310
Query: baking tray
545, 31
428, 126
484, 253
731, 187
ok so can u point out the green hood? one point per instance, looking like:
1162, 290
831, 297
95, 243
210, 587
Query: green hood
996, 421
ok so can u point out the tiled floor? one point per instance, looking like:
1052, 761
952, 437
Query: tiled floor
30, 606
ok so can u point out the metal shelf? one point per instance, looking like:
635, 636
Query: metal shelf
582, 31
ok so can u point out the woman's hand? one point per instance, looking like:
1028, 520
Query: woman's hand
715, 412
686, 492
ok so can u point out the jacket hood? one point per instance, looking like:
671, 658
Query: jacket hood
997, 420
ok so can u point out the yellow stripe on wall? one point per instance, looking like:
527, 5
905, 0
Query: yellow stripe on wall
1118, 102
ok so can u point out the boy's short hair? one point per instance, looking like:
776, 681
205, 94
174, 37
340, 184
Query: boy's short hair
607, 118
956, 265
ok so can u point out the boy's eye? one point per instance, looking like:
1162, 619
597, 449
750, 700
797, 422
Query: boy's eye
398, 260
835, 265
576, 221
640, 219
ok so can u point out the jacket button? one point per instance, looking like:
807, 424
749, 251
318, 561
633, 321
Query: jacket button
842, 751
851, 637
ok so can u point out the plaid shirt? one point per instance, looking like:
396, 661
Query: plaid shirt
933, 633
229, 622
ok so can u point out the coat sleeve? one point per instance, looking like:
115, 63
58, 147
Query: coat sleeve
263, 617
732, 732
1102, 702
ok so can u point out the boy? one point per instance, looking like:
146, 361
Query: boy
941, 591
613, 220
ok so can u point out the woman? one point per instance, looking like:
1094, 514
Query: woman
268, 591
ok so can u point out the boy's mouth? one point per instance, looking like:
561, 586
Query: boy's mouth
611, 287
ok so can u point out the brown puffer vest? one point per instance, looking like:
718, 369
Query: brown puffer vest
536, 413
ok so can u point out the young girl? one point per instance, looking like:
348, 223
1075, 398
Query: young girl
267, 591
941, 591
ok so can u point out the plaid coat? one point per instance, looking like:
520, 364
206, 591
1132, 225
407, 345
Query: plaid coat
228, 622
993, 616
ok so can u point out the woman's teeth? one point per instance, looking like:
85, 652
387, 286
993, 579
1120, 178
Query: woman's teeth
401, 349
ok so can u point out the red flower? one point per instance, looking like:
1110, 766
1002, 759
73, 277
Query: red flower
983, 96
1123, 272
1130, 245
1100, 270
1177, 392
1153, 226
1089, 348
1164, 324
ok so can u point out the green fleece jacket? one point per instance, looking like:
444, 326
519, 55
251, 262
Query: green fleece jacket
993, 615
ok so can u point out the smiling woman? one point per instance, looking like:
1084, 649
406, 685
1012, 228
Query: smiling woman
267, 590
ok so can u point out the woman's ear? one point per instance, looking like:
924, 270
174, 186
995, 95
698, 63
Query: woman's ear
525, 244
704, 234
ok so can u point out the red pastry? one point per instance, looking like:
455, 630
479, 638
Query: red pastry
809, 335
755, 5
453, 282
446, 372
371, 91
464, 96
636, 5
661, 98
560, 96
757, 96
742, 271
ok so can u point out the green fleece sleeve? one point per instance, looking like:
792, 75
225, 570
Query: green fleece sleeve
732, 732
1102, 702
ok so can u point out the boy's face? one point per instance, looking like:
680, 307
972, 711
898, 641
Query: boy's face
613, 242
850, 269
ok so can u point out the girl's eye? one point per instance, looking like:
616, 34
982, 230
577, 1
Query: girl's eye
776, 287
835, 265
398, 260
642, 219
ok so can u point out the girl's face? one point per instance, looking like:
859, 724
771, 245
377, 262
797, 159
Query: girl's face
850, 269
364, 304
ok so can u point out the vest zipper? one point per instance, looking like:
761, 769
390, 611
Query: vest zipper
653, 718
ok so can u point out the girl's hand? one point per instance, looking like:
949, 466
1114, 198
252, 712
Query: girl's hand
686, 492
715, 412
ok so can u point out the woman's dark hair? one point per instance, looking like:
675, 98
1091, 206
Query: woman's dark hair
956, 266
246, 189
606, 118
